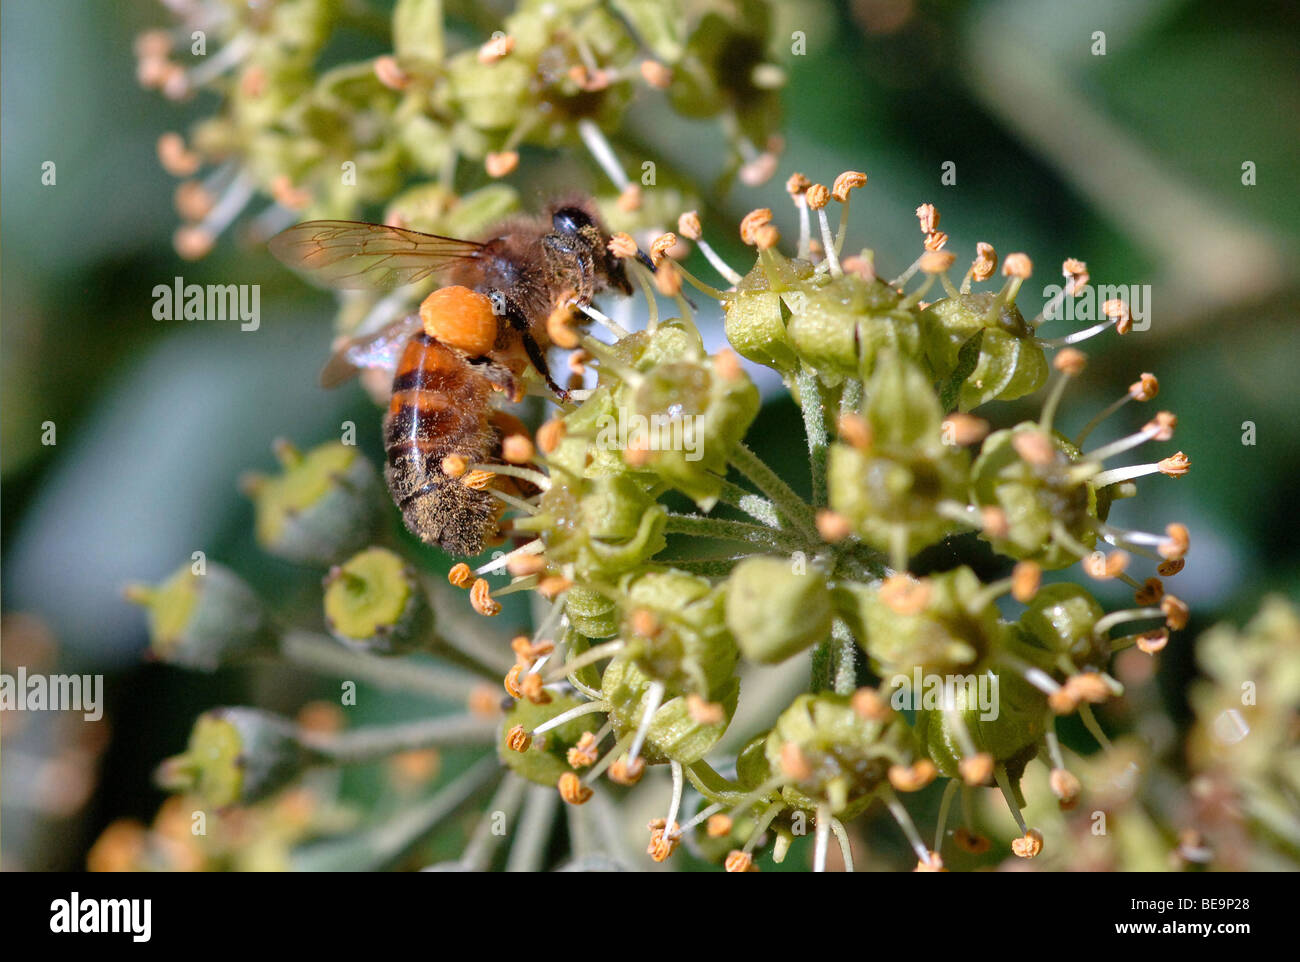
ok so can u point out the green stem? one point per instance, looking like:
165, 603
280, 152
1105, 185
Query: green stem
327, 657
368, 744
784, 497
741, 531
756, 506
813, 404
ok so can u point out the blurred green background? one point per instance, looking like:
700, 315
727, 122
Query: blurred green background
1132, 161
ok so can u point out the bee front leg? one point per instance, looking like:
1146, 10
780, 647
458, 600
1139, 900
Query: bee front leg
508, 309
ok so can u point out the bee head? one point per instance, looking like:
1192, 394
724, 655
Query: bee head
572, 220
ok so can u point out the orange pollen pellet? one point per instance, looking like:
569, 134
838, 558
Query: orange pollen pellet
753, 221
454, 466
976, 769
833, 526
500, 164
794, 763
797, 184
854, 429
936, 261
484, 701
1175, 466
704, 712
1175, 611
478, 480
1028, 846
583, 754
738, 861
848, 181
518, 739
496, 48
1034, 447
512, 681
390, 74
1018, 265
460, 318
928, 217
936, 241
1144, 388
660, 246
656, 74
1065, 786
572, 790
460, 575
1070, 361
726, 364
480, 598
868, 705
550, 434
905, 595
523, 565
963, 429
688, 225
625, 773
1088, 686
553, 586
993, 521
533, 690
622, 245
985, 263
517, 449
662, 841
913, 778
1026, 577
1150, 642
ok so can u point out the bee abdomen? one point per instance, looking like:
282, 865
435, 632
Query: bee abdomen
439, 407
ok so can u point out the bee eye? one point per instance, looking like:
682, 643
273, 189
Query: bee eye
570, 220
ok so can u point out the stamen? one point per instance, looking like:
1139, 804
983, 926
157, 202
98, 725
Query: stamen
654, 697
514, 471
905, 822
603, 153
567, 716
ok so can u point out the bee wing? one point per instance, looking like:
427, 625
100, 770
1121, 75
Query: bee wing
357, 256
382, 349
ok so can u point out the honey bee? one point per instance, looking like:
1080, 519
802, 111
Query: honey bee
471, 339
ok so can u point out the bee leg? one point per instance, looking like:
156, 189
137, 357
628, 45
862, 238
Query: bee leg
510, 310
500, 376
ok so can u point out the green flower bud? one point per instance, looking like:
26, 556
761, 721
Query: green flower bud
673, 733
684, 415
236, 756
374, 602
1010, 363
838, 757
775, 613
891, 490
546, 758
756, 313
676, 631
324, 507
591, 613
489, 96
203, 621
943, 636
1061, 618
1035, 498
840, 328
602, 526
1009, 729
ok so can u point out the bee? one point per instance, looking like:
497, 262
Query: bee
472, 339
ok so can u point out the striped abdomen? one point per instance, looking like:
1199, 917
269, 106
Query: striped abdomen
439, 407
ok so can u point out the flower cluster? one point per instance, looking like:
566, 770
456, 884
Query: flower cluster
651, 618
